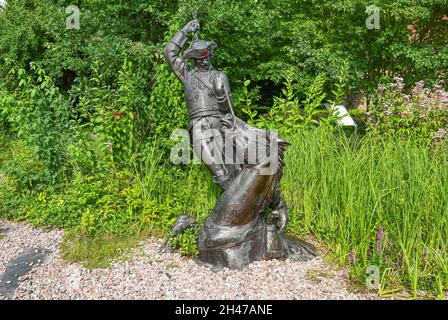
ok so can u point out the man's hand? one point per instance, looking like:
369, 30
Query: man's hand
191, 26
218, 84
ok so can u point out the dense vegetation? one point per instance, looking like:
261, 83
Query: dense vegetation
86, 117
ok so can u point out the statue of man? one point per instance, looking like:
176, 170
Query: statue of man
207, 94
236, 232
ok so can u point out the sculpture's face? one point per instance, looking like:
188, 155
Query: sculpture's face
203, 63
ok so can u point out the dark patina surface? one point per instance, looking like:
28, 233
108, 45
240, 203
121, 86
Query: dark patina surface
248, 221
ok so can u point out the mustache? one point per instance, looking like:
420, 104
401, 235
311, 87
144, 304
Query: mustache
202, 61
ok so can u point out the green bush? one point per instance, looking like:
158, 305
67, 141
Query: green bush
420, 114
35, 31
262, 40
259, 39
38, 114
148, 194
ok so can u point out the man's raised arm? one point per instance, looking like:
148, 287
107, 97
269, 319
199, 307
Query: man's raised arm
173, 48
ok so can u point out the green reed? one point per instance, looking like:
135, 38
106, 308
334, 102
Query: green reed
382, 201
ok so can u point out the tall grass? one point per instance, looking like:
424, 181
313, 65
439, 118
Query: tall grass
182, 190
384, 202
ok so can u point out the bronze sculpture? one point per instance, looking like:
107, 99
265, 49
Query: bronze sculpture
246, 162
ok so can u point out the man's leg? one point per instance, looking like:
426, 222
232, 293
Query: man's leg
208, 146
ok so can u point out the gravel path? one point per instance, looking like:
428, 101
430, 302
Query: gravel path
150, 274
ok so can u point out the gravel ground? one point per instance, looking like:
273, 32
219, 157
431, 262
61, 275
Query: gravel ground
150, 274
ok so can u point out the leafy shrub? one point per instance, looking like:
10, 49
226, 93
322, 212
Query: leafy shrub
24, 169
39, 115
35, 31
298, 107
313, 37
421, 113
186, 242
167, 103
118, 116
146, 195
280, 36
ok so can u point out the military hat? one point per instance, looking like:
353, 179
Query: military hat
200, 49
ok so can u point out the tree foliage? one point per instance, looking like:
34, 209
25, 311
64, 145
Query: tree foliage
258, 39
